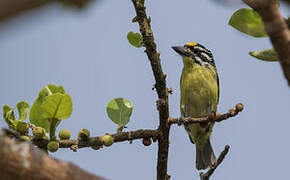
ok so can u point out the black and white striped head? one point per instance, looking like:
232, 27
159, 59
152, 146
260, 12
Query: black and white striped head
198, 53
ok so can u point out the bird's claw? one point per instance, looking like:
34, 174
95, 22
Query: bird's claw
212, 115
180, 121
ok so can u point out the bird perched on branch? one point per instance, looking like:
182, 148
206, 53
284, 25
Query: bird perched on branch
199, 85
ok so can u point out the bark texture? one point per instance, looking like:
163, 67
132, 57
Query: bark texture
22, 161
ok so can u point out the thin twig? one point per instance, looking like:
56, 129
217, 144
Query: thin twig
205, 176
212, 118
160, 85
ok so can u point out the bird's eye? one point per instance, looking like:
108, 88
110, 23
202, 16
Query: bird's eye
195, 51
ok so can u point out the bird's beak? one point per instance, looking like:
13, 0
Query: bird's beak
182, 50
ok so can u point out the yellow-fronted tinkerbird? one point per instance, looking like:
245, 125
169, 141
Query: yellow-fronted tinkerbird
199, 86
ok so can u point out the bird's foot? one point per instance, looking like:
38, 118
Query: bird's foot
212, 115
180, 121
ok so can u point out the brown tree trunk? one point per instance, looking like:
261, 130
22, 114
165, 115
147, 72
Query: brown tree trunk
21, 160
10, 8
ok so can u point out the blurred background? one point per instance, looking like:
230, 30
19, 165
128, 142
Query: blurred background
87, 52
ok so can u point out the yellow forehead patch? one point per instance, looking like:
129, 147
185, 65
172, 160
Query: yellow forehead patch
191, 44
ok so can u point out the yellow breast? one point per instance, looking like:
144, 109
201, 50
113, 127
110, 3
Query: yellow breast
199, 90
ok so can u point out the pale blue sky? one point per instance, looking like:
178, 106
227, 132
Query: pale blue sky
88, 54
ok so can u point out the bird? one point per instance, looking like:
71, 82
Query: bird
199, 97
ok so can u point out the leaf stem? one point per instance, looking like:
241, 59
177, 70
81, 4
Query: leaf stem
53, 122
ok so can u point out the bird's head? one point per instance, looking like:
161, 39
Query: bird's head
194, 53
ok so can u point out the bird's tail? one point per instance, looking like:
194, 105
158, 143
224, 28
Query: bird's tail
205, 157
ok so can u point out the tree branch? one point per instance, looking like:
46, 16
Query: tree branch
20, 160
118, 137
277, 30
160, 85
205, 176
212, 118
92, 141
9, 8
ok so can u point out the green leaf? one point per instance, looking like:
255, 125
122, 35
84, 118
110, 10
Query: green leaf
265, 55
35, 115
23, 108
8, 116
135, 39
57, 106
248, 21
119, 111
54, 89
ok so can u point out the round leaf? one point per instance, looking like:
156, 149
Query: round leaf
36, 113
119, 111
248, 21
135, 39
57, 106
